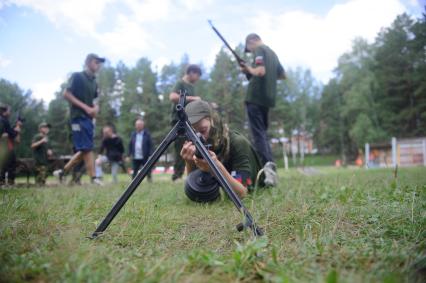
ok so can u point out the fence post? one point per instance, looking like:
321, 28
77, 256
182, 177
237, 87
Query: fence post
285, 156
367, 155
394, 163
424, 152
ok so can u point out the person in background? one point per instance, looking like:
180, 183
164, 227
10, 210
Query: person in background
81, 92
264, 72
140, 147
113, 147
8, 137
192, 75
41, 153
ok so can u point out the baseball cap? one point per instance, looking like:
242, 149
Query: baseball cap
251, 36
92, 56
3, 106
44, 124
197, 110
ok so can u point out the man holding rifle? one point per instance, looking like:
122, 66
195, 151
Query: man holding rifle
264, 72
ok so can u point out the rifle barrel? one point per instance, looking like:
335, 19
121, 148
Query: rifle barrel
239, 59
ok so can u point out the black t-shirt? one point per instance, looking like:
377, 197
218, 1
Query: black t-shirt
114, 148
84, 87
5, 127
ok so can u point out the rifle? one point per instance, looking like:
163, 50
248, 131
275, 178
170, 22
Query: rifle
237, 57
20, 118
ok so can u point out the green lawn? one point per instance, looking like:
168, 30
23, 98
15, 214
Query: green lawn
341, 225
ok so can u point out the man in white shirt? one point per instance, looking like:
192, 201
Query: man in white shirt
140, 147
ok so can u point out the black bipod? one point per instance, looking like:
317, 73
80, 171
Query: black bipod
181, 129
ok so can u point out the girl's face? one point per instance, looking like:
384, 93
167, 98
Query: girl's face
203, 127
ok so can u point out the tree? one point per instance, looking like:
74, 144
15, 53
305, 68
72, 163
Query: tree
140, 99
227, 89
400, 70
379, 90
58, 117
297, 104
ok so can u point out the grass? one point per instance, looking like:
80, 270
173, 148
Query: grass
309, 160
339, 226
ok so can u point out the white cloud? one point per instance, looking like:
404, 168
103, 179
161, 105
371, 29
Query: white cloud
82, 16
306, 39
128, 36
414, 3
149, 10
195, 5
46, 90
211, 57
160, 62
126, 41
299, 37
4, 62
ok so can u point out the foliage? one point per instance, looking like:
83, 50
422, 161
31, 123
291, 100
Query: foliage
378, 92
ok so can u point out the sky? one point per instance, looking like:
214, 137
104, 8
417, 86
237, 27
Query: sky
43, 41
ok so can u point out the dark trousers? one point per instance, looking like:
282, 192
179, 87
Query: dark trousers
258, 120
9, 167
179, 166
137, 165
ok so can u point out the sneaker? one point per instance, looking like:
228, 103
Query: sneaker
271, 176
74, 182
59, 174
97, 181
176, 178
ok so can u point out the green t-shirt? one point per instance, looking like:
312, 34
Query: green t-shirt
243, 163
262, 90
40, 152
181, 86
84, 87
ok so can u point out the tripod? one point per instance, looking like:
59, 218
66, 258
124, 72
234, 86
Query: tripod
181, 129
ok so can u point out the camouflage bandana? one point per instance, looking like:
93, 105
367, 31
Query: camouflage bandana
219, 137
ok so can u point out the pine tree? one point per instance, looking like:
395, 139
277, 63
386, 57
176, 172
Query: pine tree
58, 118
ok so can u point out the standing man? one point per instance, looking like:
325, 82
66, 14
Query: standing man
140, 147
264, 72
113, 146
192, 75
81, 92
41, 152
8, 137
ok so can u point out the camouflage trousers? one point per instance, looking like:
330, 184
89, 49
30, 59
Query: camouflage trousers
40, 174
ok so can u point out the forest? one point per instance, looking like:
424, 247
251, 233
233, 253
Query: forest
378, 91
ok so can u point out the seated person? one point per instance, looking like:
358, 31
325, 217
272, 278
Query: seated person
113, 146
232, 152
